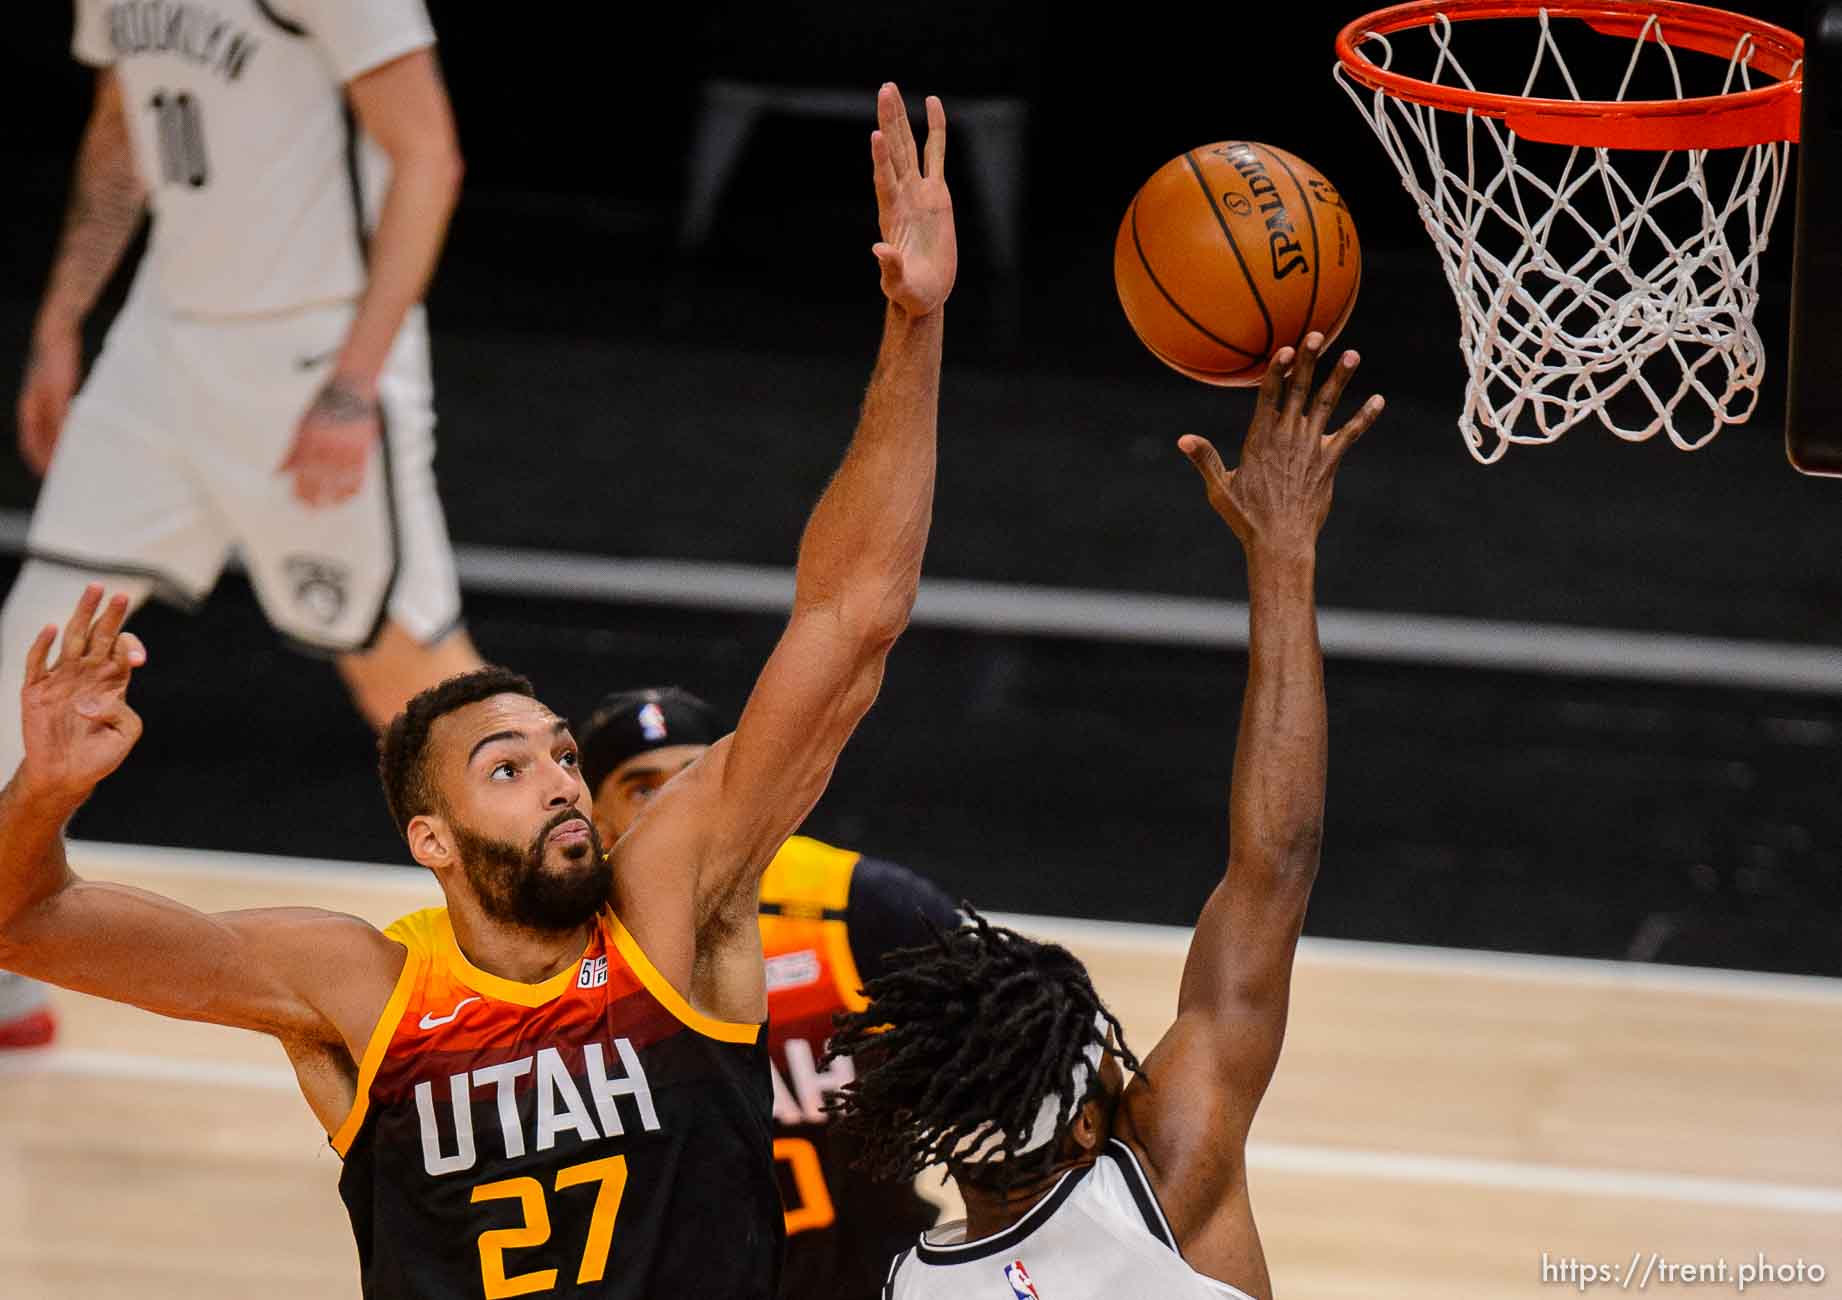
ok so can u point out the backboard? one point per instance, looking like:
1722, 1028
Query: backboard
1813, 407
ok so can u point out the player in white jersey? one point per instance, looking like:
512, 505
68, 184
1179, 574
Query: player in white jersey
992, 1054
266, 386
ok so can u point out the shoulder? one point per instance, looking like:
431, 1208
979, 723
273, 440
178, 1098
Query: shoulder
285, 15
351, 951
334, 946
891, 907
883, 888
339, 970
376, 971
1121, 1181
310, 17
670, 836
660, 863
357, 35
418, 932
1185, 1124
90, 41
902, 1270
808, 874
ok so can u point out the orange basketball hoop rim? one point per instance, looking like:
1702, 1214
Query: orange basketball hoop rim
1737, 119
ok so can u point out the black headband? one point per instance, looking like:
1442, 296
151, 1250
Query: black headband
632, 722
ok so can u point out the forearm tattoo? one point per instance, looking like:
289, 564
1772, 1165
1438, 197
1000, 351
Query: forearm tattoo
105, 209
340, 402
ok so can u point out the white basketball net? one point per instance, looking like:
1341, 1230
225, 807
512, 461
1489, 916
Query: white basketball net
1611, 284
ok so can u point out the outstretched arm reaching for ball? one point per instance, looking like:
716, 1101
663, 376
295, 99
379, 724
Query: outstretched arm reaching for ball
859, 567
315, 980
1188, 1113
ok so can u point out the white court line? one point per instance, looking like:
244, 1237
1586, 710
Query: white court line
1275, 1157
134, 1068
1392, 1166
1030, 610
1168, 940
1027, 610
306, 874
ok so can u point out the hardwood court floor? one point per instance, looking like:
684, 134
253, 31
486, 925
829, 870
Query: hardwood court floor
1439, 1121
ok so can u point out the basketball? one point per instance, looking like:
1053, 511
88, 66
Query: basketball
1231, 252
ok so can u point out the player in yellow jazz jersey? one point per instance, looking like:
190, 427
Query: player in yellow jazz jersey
827, 917
558, 1083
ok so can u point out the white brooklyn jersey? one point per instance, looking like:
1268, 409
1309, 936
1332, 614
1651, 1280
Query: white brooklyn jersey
261, 187
1097, 1235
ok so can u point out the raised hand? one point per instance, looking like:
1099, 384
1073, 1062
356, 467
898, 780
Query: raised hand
78, 726
919, 252
1276, 499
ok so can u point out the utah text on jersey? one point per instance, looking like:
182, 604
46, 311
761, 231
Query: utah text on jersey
590, 1135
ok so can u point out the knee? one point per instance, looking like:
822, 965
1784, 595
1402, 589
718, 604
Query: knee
45, 592
30, 594
42, 593
385, 677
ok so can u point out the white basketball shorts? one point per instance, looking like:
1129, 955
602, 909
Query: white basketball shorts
171, 455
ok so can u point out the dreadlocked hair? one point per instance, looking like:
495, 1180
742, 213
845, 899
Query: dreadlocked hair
971, 1030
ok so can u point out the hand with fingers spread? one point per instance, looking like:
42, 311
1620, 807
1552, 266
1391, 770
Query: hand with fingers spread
78, 726
1276, 499
919, 252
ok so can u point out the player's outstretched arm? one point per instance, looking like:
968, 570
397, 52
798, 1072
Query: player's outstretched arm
106, 204
302, 975
859, 567
1190, 1110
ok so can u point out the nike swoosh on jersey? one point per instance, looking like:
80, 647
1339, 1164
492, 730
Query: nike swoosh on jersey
432, 1022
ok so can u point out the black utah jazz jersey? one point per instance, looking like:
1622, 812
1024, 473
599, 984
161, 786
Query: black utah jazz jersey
827, 918
592, 1135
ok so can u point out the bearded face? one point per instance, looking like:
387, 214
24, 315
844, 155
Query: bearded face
556, 882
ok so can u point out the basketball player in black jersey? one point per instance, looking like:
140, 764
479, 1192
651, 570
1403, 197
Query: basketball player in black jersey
557, 1084
827, 917
1023, 1097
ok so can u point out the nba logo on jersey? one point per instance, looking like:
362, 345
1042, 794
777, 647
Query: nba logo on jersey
1019, 1278
594, 973
652, 721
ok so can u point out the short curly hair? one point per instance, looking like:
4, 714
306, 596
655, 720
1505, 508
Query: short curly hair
402, 751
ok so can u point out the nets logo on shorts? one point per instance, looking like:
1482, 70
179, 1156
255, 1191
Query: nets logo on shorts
1019, 1278
319, 586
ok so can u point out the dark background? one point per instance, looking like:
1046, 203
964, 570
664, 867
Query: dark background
605, 393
